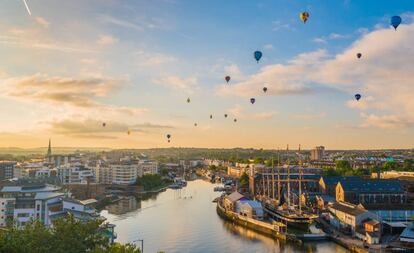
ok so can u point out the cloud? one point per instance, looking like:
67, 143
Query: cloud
42, 21
147, 59
91, 129
279, 79
120, 22
78, 93
24, 39
107, 40
332, 36
309, 116
320, 40
268, 47
279, 25
383, 76
386, 121
177, 83
238, 112
234, 72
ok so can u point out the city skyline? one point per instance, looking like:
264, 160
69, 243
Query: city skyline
71, 66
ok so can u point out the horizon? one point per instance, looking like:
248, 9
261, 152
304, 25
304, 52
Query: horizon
117, 74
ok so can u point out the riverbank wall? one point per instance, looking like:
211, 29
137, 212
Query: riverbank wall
256, 225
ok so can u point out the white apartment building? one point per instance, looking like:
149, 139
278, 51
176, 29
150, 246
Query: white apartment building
103, 174
20, 204
124, 173
146, 167
74, 174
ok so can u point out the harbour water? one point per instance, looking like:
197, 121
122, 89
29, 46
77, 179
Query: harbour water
179, 221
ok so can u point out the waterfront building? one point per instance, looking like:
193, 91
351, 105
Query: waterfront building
74, 174
146, 167
20, 204
124, 173
7, 170
327, 184
371, 192
250, 208
229, 201
392, 212
407, 236
317, 153
103, 174
234, 171
347, 216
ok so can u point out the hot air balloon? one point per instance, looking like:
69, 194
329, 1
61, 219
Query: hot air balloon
225, 115
357, 97
168, 137
195, 124
235, 120
252, 100
304, 16
258, 55
396, 21
104, 124
227, 78
359, 55
264, 89
128, 132
188, 100
211, 116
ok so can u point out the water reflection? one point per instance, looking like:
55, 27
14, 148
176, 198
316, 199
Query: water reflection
124, 205
179, 221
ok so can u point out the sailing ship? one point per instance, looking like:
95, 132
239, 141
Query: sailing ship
294, 215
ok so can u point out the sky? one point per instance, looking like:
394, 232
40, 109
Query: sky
71, 66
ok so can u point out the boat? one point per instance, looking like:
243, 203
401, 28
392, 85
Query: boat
288, 213
175, 186
273, 229
291, 217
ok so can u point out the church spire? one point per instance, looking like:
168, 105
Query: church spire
49, 150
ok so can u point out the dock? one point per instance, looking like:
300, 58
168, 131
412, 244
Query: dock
275, 230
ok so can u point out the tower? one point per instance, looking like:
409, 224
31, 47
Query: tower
49, 152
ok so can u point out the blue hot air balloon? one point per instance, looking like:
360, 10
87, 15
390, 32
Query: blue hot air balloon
396, 21
252, 100
357, 97
258, 55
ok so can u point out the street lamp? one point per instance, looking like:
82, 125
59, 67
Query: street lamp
142, 244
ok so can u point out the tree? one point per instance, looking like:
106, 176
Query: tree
343, 165
390, 165
244, 179
119, 248
66, 236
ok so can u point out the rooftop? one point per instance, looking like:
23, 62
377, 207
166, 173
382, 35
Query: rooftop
30, 188
393, 186
348, 208
234, 196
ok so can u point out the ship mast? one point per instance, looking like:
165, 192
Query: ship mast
278, 175
300, 181
273, 179
288, 176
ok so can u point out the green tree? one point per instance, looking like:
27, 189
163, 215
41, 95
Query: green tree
244, 179
68, 235
343, 165
390, 165
119, 248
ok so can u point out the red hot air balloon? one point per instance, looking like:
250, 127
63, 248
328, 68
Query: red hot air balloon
227, 78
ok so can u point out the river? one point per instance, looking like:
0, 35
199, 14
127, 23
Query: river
180, 221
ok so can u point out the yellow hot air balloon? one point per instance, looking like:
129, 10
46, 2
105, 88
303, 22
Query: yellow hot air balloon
304, 16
